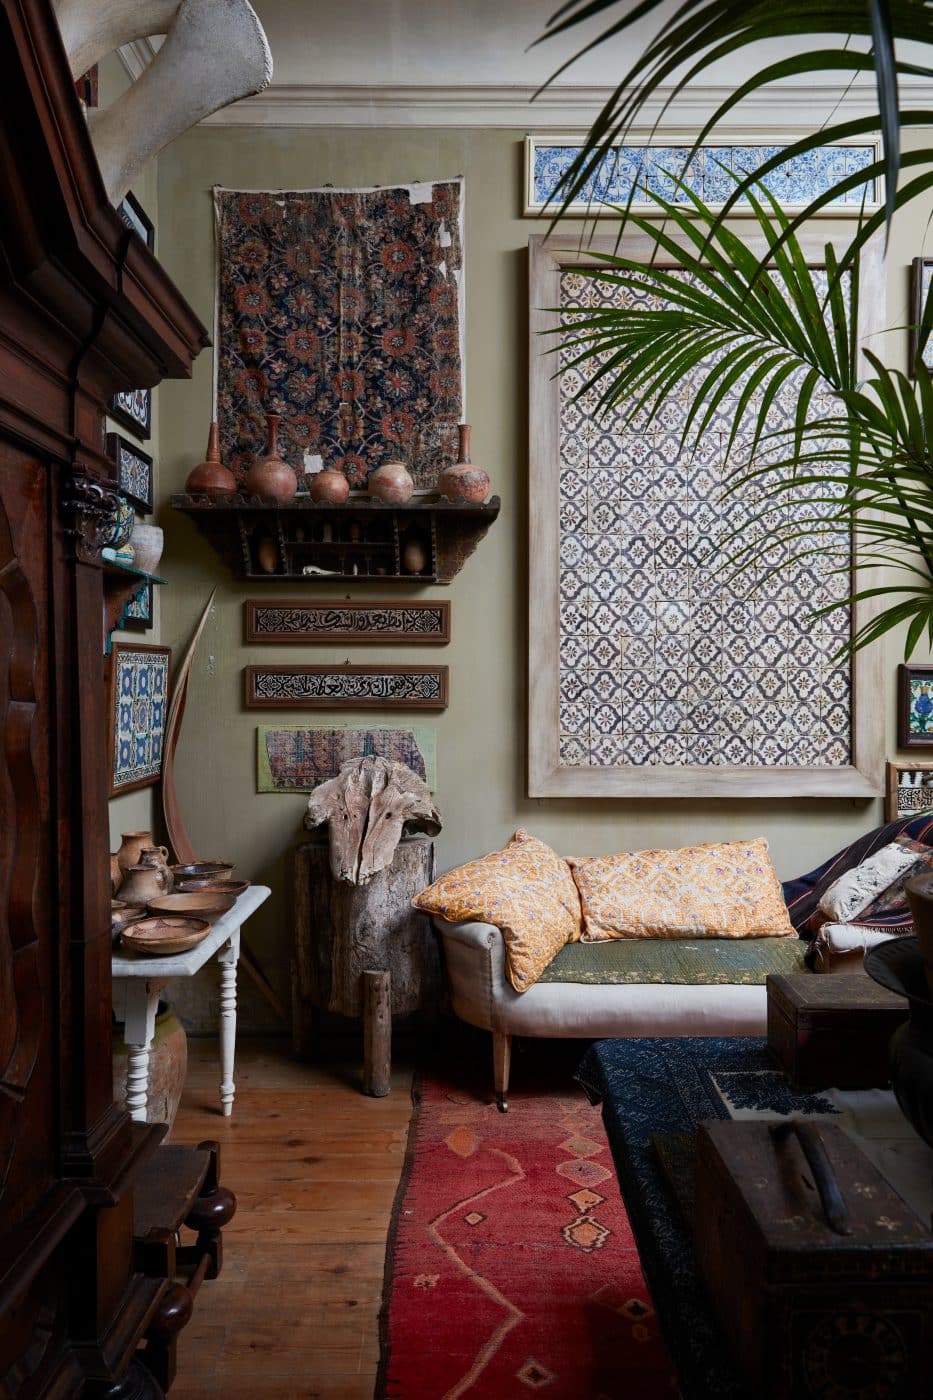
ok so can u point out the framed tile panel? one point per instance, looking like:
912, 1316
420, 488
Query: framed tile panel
138, 694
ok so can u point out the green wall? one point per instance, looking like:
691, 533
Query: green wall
481, 736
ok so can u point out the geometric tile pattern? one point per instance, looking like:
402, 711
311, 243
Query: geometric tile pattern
796, 182
141, 705
663, 659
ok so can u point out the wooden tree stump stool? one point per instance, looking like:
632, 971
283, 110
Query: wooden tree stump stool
344, 931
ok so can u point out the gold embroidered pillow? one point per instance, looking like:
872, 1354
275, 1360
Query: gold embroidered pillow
526, 890
719, 890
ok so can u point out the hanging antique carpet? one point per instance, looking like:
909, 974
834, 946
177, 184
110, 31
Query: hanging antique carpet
511, 1267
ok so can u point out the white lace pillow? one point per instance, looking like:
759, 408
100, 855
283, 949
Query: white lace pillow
854, 891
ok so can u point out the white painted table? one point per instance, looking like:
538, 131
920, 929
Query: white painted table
138, 980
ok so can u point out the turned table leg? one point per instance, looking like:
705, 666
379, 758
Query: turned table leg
227, 959
137, 1001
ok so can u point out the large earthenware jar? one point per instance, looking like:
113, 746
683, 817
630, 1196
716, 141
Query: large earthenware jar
211, 478
463, 482
391, 483
168, 1065
131, 848
328, 487
270, 478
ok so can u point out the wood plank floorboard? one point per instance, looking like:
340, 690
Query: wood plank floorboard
315, 1165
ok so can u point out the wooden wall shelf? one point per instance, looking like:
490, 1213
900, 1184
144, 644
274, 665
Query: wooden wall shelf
363, 539
121, 583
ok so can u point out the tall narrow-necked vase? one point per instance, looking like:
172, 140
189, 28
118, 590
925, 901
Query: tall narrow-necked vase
270, 478
211, 478
462, 482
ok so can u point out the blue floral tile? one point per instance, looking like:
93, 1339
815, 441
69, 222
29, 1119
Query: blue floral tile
140, 686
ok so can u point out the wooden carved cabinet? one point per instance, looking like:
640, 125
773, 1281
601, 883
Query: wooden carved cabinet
84, 310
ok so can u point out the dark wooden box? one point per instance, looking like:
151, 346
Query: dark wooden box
832, 1031
807, 1312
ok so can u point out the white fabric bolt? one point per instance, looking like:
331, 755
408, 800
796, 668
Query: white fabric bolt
855, 890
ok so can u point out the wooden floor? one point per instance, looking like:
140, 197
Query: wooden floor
315, 1167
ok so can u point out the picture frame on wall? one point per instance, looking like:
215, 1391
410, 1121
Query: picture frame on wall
138, 678
921, 274
133, 409
915, 707
135, 217
134, 470
909, 789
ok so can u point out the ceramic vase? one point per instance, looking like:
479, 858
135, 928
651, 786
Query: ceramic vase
414, 555
168, 1066
131, 846
463, 482
157, 857
211, 478
147, 542
144, 882
270, 478
328, 487
391, 483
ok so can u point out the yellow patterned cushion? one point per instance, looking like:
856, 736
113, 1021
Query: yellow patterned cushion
526, 890
718, 890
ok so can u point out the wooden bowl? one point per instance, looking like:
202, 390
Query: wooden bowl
122, 914
206, 904
193, 885
204, 869
161, 936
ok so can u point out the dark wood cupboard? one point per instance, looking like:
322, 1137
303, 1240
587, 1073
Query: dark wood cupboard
85, 310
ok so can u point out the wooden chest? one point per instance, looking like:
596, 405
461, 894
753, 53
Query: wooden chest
832, 1031
808, 1312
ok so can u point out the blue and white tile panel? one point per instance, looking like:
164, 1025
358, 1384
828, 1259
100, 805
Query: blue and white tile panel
795, 183
661, 660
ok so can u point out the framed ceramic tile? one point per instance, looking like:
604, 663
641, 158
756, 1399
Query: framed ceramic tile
136, 218
138, 692
133, 408
137, 616
346, 687
134, 470
909, 789
296, 620
921, 274
915, 707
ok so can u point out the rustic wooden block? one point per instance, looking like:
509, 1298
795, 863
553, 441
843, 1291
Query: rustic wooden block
832, 1031
808, 1311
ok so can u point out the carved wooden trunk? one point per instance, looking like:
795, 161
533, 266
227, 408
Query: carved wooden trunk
807, 1311
342, 930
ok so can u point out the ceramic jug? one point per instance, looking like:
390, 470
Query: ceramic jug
132, 843
144, 882
157, 856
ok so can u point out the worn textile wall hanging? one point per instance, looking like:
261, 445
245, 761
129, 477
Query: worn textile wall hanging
341, 310
297, 759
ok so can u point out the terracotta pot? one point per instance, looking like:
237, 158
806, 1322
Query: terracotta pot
131, 846
144, 882
168, 1066
391, 483
157, 857
328, 487
270, 478
211, 478
463, 482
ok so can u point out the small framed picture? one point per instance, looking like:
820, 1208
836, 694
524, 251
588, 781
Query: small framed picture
909, 789
133, 408
134, 470
137, 615
135, 217
915, 707
138, 681
921, 272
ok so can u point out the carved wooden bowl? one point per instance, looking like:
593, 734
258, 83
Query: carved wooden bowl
204, 904
161, 936
194, 884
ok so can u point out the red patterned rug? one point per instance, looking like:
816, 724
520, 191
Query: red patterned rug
511, 1269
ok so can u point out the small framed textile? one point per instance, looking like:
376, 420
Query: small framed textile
137, 706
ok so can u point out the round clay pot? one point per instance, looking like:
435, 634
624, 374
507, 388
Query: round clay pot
211, 478
147, 542
270, 478
391, 483
328, 487
144, 882
168, 1066
131, 848
463, 482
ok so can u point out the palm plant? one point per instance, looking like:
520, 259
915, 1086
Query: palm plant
744, 327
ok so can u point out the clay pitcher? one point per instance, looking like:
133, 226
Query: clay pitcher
132, 843
157, 857
270, 478
462, 482
211, 478
144, 882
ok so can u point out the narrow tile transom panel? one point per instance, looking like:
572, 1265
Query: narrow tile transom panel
665, 656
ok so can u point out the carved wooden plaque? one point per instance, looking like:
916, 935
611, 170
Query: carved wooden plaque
375, 620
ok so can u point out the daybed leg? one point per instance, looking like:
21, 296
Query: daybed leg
501, 1056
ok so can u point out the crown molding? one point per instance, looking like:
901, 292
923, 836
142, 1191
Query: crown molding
136, 56
559, 107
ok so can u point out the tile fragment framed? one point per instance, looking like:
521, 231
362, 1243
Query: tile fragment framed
295, 758
914, 706
134, 470
137, 708
346, 687
646, 677
909, 789
795, 183
375, 620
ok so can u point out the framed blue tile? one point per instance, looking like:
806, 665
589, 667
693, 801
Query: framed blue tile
138, 695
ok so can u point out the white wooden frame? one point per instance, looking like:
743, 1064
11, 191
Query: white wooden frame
585, 208
546, 776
